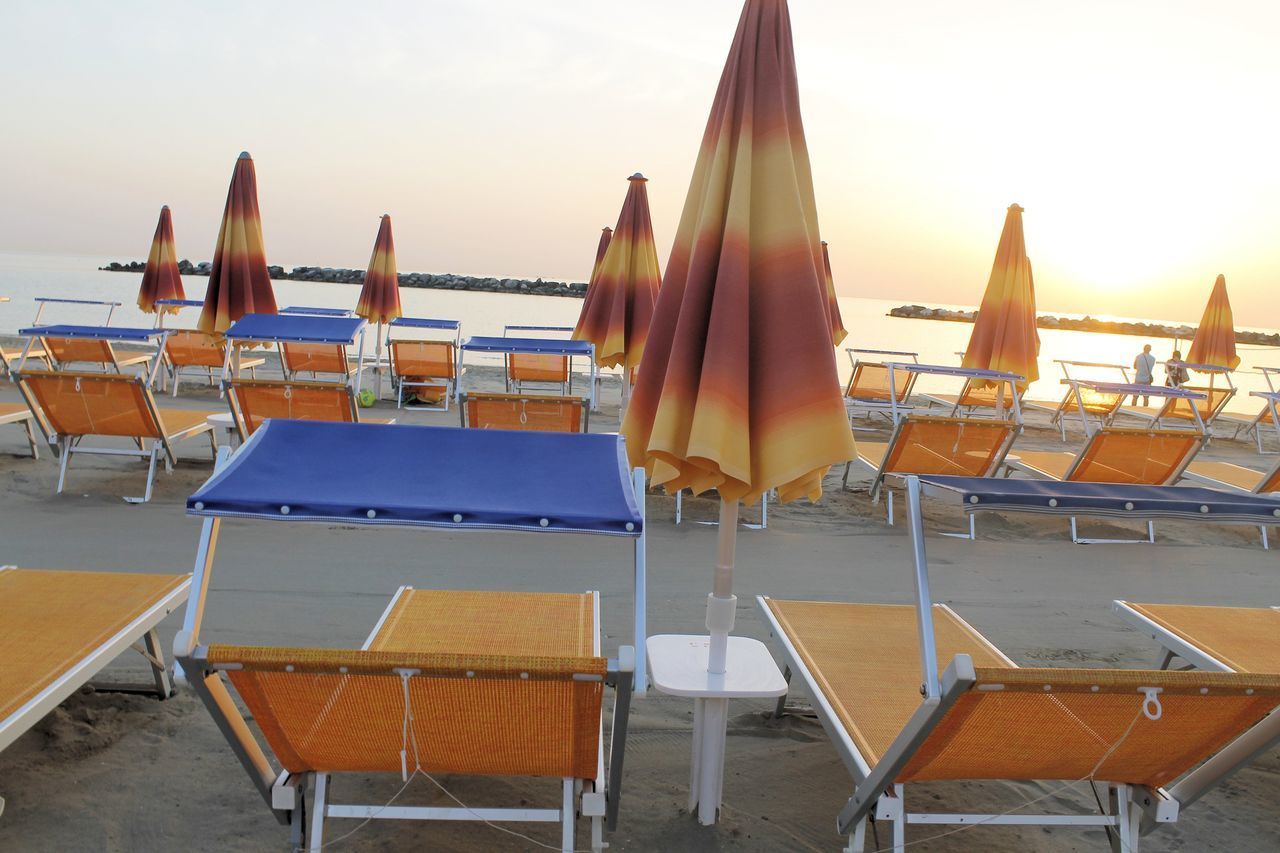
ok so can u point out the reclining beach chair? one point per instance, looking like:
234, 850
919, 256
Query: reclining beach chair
253, 401
309, 340
531, 369
868, 389
58, 629
189, 349
974, 396
915, 694
525, 412
1096, 404
1268, 415
1221, 639
66, 352
426, 372
1204, 407
21, 413
77, 405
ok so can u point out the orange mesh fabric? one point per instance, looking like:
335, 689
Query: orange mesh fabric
335, 711
1243, 638
524, 412
92, 403
870, 381
194, 349
77, 350
259, 399
50, 620
1235, 476
316, 358
421, 361
1060, 723
13, 413
1097, 403
1184, 410
1145, 457
522, 367
1270, 482
966, 447
972, 396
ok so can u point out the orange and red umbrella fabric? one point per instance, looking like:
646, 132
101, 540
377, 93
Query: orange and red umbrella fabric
380, 297
619, 305
239, 283
1004, 333
1215, 340
160, 278
603, 246
834, 320
738, 388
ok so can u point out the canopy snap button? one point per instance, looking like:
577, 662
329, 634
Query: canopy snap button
372, 513
284, 510
973, 499
457, 518
1204, 508
1128, 504
631, 525
543, 522
199, 505
1053, 501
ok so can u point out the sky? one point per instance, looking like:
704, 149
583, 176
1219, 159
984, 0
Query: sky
1140, 137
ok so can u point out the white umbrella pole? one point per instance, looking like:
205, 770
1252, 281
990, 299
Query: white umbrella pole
712, 726
722, 603
377, 362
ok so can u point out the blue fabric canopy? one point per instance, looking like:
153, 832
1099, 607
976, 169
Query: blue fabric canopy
60, 300
182, 303
317, 312
536, 346
404, 475
296, 328
948, 370
426, 323
987, 494
101, 333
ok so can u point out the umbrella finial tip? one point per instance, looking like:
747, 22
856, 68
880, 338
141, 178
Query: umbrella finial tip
244, 155
164, 207
637, 177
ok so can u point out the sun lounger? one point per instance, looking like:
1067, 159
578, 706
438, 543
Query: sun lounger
58, 629
1202, 409
308, 343
1222, 639
79, 405
916, 694
538, 361
67, 346
1268, 415
525, 412
1093, 405
253, 401
191, 349
868, 389
21, 414
424, 371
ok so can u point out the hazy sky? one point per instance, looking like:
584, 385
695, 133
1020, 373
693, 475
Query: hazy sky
1141, 137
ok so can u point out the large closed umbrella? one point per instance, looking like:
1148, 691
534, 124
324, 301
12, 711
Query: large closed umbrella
619, 305
603, 246
380, 297
239, 283
1215, 340
834, 320
1004, 333
160, 278
738, 388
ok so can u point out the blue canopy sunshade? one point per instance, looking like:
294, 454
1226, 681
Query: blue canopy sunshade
285, 329
98, 333
317, 312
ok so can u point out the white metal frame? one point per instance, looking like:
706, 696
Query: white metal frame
231, 366
874, 407
764, 512
175, 370
27, 420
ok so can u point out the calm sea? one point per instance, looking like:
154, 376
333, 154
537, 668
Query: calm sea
24, 276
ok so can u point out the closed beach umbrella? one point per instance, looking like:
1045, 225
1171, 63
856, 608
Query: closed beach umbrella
619, 305
380, 297
834, 320
1215, 340
738, 388
1004, 333
160, 278
601, 248
239, 283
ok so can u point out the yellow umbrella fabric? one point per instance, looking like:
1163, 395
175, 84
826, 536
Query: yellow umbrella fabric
1004, 333
619, 305
738, 388
380, 296
838, 331
239, 283
1215, 340
160, 278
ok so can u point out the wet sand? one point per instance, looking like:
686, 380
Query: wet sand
116, 773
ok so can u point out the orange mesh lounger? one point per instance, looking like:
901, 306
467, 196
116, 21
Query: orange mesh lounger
868, 390
78, 405
188, 349
424, 371
915, 694
58, 629
525, 412
253, 401
1269, 415
310, 340
20, 413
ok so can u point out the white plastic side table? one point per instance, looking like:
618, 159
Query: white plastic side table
678, 667
224, 422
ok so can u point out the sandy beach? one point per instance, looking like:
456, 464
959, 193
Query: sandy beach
108, 772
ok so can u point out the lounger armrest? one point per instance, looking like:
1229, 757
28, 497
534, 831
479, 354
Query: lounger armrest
621, 676
957, 679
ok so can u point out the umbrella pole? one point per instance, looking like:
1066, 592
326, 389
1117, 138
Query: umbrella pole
721, 604
377, 362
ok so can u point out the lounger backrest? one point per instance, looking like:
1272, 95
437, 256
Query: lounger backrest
315, 358
1180, 408
978, 394
870, 381
965, 447
1057, 723
78, 403
524, 412
1101, 404
324, 710
190, 348
1148, 457
1270, 482
424, 359
79, 351
524, 367
256, 400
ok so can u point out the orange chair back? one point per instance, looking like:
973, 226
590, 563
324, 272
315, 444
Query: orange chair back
962, 447
315, 358
870, 381
972, 396
256, 400
78, 403
424, 359
523, 367
79, 351
525, 412
189, 348
1184, 410
1149, 457
1101, 404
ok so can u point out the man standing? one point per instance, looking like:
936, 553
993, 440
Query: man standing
1143, 372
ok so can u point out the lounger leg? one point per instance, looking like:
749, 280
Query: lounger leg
782, 700
151, 476
1151, 532
858, 838
35, 451
890, 506
298, 817
1074, 534
315, 838
844, 482
1266, 546
158, 669
567, 817
64, 458
1128, 820
764, 511
900, 822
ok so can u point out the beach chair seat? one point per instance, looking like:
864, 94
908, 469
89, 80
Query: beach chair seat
1136, 731
1227, 639
77, 405
525, 412
189, 349
426, 373
533, 369
65, 352
253, 401
21, 414
448, 682
1092, 406
58, 629
316, 359
869, 388
1183, 409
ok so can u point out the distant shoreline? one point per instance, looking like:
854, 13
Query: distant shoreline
339, 275
1085, 324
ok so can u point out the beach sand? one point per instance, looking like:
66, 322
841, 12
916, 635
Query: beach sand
118, 773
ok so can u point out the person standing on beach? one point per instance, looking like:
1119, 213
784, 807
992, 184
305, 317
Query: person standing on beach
1175, 375
1144, 372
